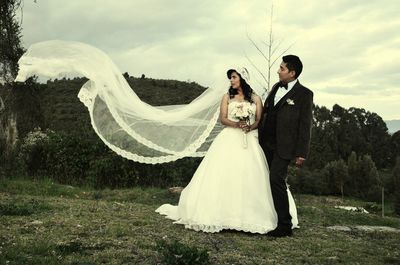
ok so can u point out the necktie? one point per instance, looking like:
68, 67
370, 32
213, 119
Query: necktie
284, 85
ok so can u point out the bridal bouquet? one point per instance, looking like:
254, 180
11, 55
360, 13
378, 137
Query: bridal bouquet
243, 112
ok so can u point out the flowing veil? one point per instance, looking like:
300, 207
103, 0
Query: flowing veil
127, 125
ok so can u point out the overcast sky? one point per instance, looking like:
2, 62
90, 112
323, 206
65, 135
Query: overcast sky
350, 48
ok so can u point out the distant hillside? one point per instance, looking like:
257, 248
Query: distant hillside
62, 110
55, 105
393, 125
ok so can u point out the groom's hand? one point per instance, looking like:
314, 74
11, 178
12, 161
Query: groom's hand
300, 161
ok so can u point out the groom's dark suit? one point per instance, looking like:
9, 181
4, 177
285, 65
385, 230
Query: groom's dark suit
284, 134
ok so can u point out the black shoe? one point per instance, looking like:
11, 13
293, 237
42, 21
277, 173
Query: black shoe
280, 231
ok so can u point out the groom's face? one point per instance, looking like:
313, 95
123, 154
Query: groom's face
285, 75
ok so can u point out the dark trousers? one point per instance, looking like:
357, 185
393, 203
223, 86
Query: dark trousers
278, 168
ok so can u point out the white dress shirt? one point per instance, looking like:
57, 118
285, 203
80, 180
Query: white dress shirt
282, 91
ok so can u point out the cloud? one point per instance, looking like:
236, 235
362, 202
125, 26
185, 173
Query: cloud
350, 49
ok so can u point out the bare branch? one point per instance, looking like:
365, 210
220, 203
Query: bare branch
277, 46
258, 70
282, 53
261, 84
256, 46
272, 47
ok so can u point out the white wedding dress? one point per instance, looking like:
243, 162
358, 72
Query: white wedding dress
231, 188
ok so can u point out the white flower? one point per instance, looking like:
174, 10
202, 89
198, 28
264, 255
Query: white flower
34, 138
290, 101
242, 111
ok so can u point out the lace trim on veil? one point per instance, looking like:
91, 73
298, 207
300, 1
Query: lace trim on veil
87, 99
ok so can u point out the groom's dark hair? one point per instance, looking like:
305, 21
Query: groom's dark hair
293, 63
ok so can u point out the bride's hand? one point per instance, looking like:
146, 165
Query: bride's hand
246, 128
242, 124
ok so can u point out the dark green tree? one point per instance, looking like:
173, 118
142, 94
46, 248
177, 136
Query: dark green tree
357, 117
323, 139
369, 182
395, 146
344, 130
352, 129
377, 139
10, 51
396, 183
126, 75
352, 165
336, 175
10, 39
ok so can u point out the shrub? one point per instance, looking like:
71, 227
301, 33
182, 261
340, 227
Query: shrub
336, 175
305, 181
76, 159
33, 151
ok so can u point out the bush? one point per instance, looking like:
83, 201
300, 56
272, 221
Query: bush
79, 160
364, 179
369, 186
305, 181
113, 171
335, 176
69, 156
33, 151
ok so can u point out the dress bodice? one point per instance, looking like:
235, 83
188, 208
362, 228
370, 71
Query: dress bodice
241, 108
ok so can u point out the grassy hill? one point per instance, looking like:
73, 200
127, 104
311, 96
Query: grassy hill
62, 110
47, 223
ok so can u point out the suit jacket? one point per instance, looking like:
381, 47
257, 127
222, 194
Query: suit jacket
286, 127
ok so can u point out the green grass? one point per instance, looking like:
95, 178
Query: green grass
16, 207
48, 223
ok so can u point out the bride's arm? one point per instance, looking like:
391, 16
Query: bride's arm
259, 109
224, 113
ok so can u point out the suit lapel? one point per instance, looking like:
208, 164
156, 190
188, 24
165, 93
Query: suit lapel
271, 94
288, 95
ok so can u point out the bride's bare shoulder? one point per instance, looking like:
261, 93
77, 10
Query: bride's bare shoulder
255, 97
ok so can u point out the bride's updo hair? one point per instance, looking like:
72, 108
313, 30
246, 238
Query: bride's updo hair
247, 90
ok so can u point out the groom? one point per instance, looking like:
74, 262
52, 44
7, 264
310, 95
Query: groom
284, 134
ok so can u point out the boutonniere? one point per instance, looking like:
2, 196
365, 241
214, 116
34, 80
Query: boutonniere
290, 101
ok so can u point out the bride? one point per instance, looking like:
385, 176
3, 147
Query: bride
231, 187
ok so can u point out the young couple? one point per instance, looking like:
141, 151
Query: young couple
241, 182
